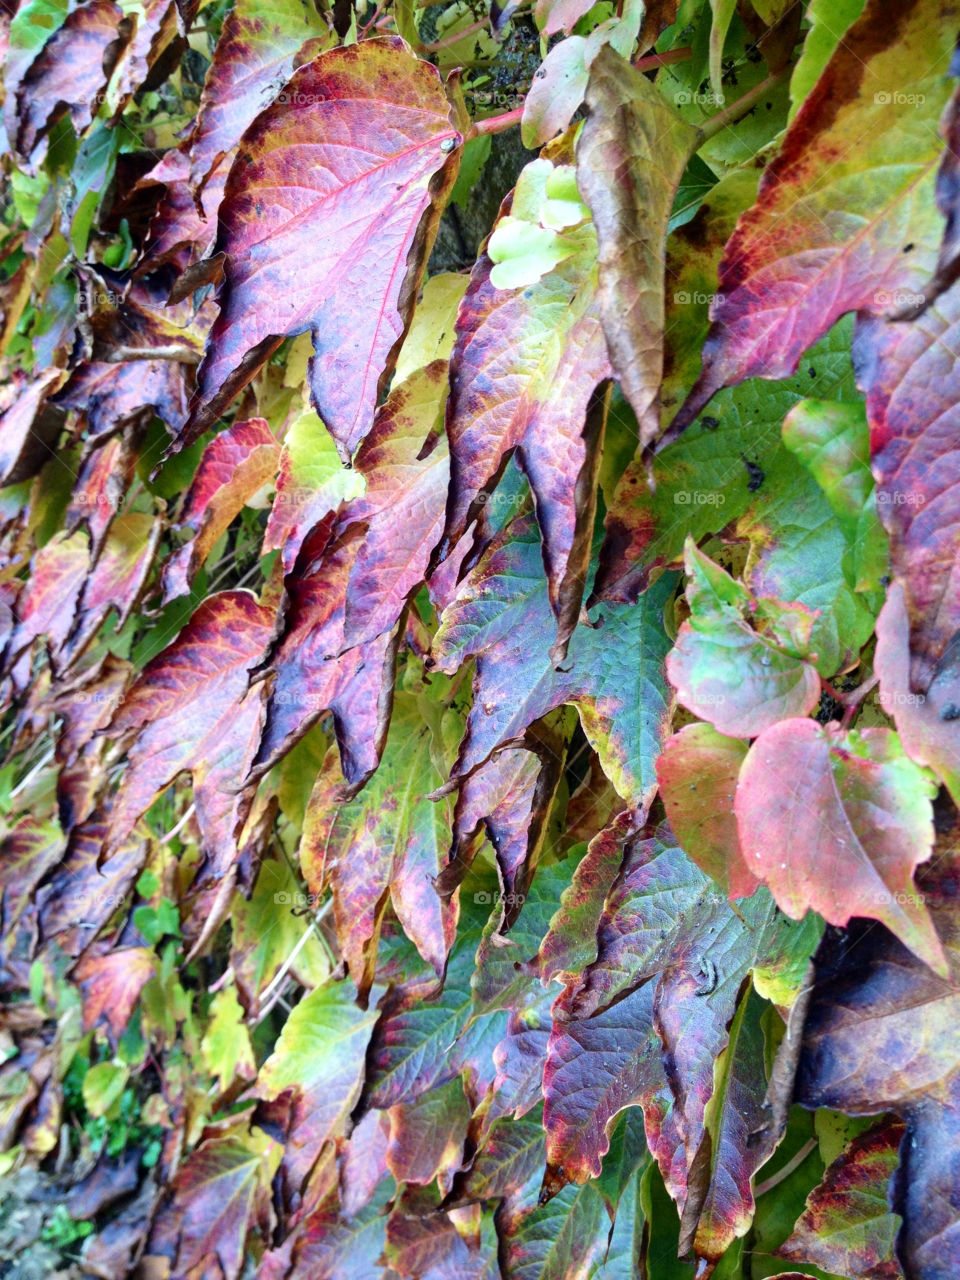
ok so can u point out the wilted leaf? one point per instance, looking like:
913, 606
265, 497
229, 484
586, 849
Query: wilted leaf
112, 395
837, 822
847, 1226
111, 984
235, 465
361, 123
191, 712
29, 425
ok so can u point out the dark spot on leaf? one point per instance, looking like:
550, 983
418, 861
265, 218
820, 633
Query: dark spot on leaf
709, 423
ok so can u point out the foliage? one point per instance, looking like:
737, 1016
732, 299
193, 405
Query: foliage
480, 640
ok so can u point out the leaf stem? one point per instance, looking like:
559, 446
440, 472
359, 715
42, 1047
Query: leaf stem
794, 1163
731, 114
496, 124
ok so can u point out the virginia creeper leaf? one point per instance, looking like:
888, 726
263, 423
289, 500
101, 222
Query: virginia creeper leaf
377, 122
837, 822
29, 426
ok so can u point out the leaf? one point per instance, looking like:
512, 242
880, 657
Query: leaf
312, 484
310, 678
179, 232
525, 366
927, 723
29, 425
112, 395
812, 249
630, 158
101, 486
70, 73
331, 1243
910, 379
320, 1057
697, 772
377, 120
235, 465
388, 843
190, 711
427, 1136
829, 21
220, 1196
879, 1036
402, 504
254, 58
847, 1225
508, 1166
85, 890
723, 11
838, 821
564, 1240
117, 579
154, 33
30, 850
48, 605
740, 679
226, 1048
111, 985
614, 673
431, 332
102, 1086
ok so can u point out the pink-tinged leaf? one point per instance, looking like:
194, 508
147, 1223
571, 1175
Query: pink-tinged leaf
48, 606
87, 705
911, 378
837, 822
254, 58
508, 1166
570, 944
880, 1034
101, 486
69, 76
30, 850
309, 678
614, 672
402, 506
113, 395
426, 1244
388, 843
82, 895
560, 15
235, 465
363, 1163
117, 578
375, 149
850, 190
154, 35
29, 426
178, 232
320, 1057
524, 368
331, 1243
519, 1059
697, 771
565, 1239
847, 1225
740, 679
219, 1199
110, 985
190, 711
928, 723
427, 1136
630, 157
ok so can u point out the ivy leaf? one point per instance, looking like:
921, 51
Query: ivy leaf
928, 723
226, 1048
189, 710
180, 232
388, 843
112, 394
254, 58
377, 122
723, 670
312, 484
630, 158
838, 821
330, 1243
795, 264
402, 504
911, 379
614, 673
525, 365
219, 1197
697, 772
70, 73
235, 464
319, 1057
880, 1035
847, 1225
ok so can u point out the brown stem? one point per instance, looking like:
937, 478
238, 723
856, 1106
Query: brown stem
663, 59
730, 115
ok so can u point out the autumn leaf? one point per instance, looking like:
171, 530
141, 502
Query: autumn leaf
111, 984
838, 821
28, 426
375, 91
190, 711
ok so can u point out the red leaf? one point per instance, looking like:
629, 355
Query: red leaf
697, 772
190, 711
235, 465
111, 984
838, 822
112, 395
29, 426
372, 152
911, 378
850, 188
177, 232
101, 486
